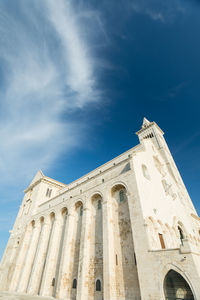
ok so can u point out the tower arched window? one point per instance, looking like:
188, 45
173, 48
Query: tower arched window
181, 234
74, 283
122, 196
145, 172
98, 285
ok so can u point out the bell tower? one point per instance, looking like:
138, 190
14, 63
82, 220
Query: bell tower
150, 130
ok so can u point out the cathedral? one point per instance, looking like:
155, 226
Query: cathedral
125, 231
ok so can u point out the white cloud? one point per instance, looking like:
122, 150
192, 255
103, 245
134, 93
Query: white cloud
47, 71
159, 10
79, 76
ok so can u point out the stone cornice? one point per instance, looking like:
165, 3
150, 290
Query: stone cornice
195, 217
149, 126
48, 180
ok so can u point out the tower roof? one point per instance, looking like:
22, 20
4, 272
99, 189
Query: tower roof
145, 122
37, 177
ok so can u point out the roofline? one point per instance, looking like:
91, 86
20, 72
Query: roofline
87, 174
47, 179
151, 124
63, 185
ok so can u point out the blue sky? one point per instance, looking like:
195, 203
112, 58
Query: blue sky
76, 80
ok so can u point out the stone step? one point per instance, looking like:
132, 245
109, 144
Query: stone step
17, 296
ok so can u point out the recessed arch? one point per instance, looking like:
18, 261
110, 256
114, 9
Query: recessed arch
117, 186
176, 287
41, 219
95, 195
119, 193
52, 215
78, 204
64, 211
32, 223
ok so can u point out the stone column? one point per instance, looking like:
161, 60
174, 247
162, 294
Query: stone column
8, 263
36, 275
64, 280
24, 278
109, 259
21, 257
84, 257
49, 271
60, 253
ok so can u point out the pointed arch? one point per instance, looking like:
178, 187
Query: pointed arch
176, 287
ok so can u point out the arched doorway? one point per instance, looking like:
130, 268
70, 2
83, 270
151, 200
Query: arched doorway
176, 287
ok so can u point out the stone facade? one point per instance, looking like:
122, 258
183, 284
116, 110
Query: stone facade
125, 231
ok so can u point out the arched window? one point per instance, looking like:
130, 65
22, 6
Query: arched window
145, 172
74, 283
81, 210
181, 234
99, 204
98, 285
121, 196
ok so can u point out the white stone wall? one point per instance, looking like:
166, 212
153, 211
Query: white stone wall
84, 232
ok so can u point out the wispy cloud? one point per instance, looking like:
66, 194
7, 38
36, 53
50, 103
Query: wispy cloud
47, 72
159, 10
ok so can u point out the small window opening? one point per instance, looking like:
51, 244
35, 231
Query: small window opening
162, 243
48, 192
98, 285
99, 204
135, 259
121, 196
81, 210
74, 283
102, 180
181, 235
53, 282
116, 260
